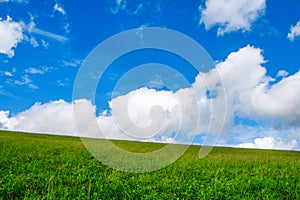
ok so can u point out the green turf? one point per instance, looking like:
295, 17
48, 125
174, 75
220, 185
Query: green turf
54, 167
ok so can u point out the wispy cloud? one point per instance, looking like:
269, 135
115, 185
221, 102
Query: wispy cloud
7, 73
58, 8
137, 10
72, 62
31, 28
8, 94
34, 42
45, 44
63, 83
24, 81
118, 5
32, 70
15, 1
48, 34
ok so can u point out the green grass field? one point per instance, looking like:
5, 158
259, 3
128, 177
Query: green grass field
54, 167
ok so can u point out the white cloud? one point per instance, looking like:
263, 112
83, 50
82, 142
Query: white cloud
245, 134
45, 44
118, 5
32, 70
246, 63
25, 80
137, 10
11, 34
59, 9
255, 96
231, 15
294, 32
15, 1
57, 117
62, 83
48, 34
53, 117
31, 24
252, 94
144, 112
279, 101
31, 28
33, 42
269, 143
65, 25
8, 94
4, 118
282, 73
7, 73
73, 62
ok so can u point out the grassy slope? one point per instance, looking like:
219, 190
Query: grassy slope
54, 167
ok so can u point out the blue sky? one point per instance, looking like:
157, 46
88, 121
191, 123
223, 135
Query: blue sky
44, 43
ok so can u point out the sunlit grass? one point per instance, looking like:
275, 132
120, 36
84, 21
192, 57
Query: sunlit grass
54, 167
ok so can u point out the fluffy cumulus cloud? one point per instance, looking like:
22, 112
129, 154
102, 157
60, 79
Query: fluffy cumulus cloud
256, 95
151, 115
11, 34
231, 15
269, 143
57, 117
146, 112
278, 101
4, 118
294, 32
54, 117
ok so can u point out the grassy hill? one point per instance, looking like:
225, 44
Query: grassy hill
55, 167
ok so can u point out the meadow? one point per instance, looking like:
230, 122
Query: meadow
37, 166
